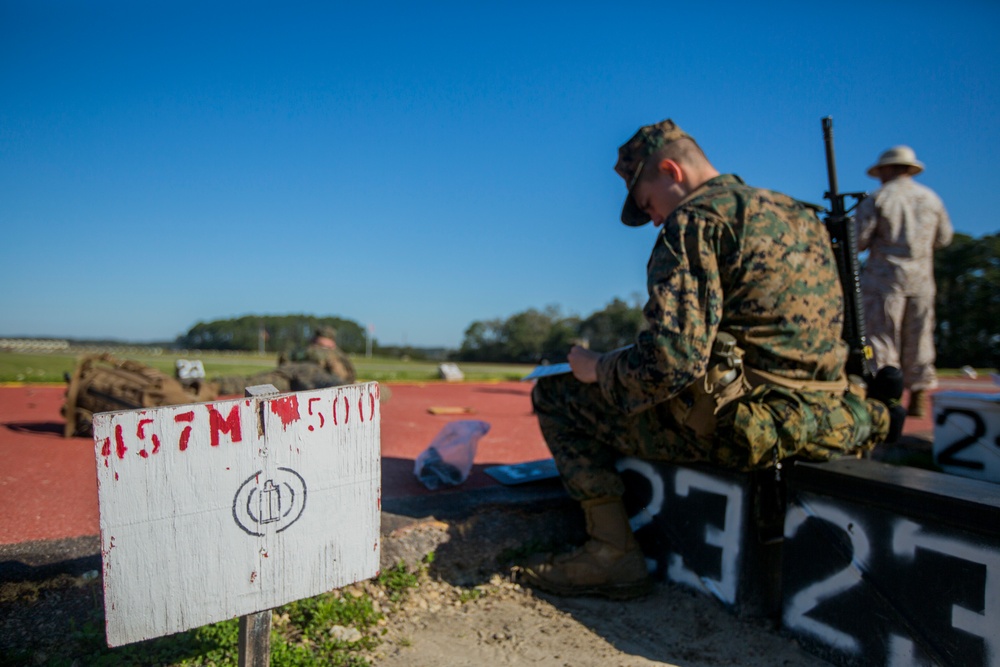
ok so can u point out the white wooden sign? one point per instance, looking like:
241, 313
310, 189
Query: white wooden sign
217, 510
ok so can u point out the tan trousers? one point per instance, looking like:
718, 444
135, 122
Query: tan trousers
900, 329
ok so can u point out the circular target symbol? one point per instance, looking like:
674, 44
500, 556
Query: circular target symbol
269, 502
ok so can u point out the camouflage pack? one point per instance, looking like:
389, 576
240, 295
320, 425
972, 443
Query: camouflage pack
102, 383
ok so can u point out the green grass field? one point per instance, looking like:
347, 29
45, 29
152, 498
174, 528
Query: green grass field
51, 367
43, 368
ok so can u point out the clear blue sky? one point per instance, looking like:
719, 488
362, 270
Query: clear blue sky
420, 166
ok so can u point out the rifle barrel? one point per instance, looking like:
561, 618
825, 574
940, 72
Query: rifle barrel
843, 236
831, 167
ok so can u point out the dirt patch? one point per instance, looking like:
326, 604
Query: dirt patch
510, 625
495, 623
468, 611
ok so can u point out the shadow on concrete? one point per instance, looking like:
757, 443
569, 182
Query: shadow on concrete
399, 481
36, 428
910, 450
37, 561
477, 533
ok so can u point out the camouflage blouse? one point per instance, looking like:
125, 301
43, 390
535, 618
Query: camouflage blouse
901, 226
752, 262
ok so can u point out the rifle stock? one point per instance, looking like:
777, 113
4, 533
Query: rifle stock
843, 237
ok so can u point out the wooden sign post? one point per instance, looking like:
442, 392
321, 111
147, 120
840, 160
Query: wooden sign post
218, 510
254, 642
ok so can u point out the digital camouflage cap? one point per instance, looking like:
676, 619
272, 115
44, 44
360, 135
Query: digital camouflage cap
326, 332
631, 159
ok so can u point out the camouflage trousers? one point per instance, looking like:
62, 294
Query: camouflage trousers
901, 331
587, 435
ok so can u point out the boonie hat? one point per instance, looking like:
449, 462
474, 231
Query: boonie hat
631, 159
897, 155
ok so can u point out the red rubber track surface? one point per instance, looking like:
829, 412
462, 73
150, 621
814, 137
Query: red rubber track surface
51, 481
49, 484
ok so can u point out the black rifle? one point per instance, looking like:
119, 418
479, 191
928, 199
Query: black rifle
843, 236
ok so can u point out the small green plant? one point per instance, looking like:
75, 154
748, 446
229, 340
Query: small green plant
397, 580
337, 629
315, 616
470, 594
329, 629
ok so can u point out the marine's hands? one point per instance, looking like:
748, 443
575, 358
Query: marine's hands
584, 363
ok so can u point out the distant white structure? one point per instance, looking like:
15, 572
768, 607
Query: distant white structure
450, 372
33, 345
189, 369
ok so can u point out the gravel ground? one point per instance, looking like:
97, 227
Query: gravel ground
466, 610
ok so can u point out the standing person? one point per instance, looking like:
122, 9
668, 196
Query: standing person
901, 225
731, 265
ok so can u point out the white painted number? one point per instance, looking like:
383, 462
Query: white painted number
726, 538
807, 599
908, 537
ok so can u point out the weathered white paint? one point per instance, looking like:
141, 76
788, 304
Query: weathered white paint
902, 652
727, 538
647, 514
909, 536
798, 606
217, 510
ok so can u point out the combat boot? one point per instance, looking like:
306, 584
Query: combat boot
887, 387
610, 564
918, 403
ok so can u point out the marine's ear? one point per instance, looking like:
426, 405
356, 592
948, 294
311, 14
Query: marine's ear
671, 168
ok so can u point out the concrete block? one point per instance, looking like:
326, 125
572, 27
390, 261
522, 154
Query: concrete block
716, 531
894, 566
967, 434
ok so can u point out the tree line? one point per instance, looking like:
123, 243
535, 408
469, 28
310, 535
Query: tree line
534, 336
967, 330
275, 333
968, 302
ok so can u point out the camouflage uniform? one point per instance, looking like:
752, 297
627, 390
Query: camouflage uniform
315, 367
332, 360
901, 226
289, 376
751, 262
